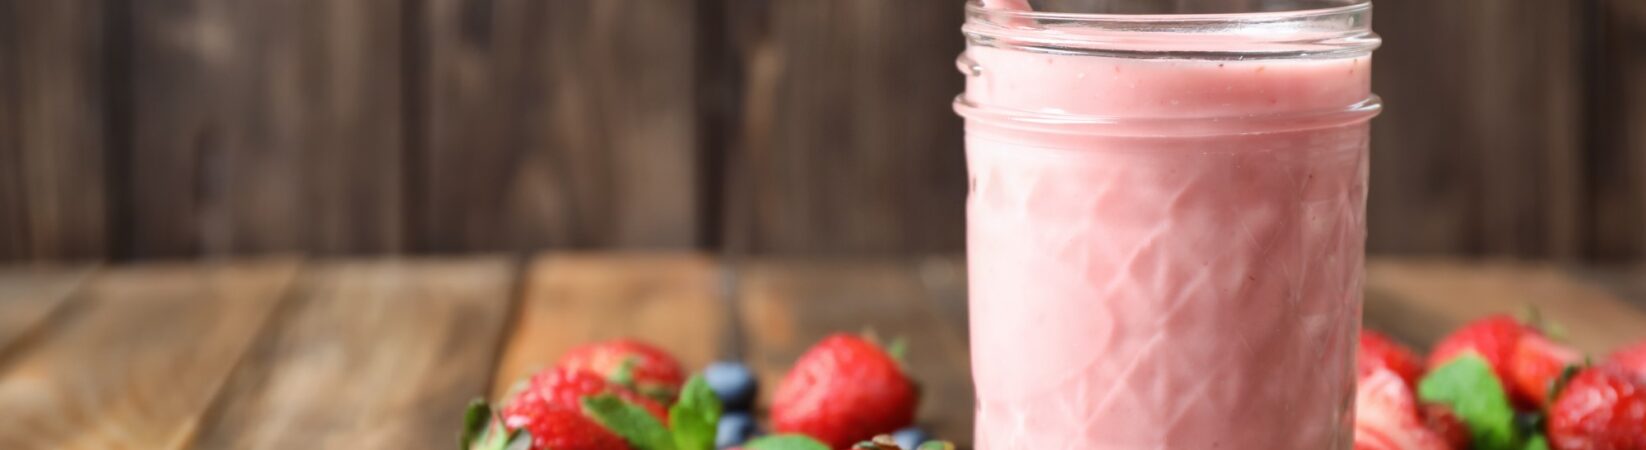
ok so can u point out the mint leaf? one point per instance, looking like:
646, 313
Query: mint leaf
695, 416
1537, 442
1467, 385
630, 421
785, 442
624, 375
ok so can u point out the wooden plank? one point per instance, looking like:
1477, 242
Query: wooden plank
788, 305
369, 355
1618, 164
671, 300
265, 126
1420, 301
142, 356
28, 295
556, 124
52, 110
1480, 148
848, 143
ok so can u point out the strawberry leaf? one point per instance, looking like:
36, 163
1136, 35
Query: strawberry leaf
695, 416
785, 442
1467, 385
935, 445
630, 421
519, 440
475, 419
898, 349
1559, 383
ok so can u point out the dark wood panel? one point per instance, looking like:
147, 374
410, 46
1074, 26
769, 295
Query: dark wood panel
141, 357
379, 354
558, 124
52, 193
1618, 165
1479, 150
847, 142
263, 126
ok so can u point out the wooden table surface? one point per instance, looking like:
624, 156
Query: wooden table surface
285, 353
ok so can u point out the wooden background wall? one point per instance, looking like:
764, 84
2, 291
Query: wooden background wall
137, 129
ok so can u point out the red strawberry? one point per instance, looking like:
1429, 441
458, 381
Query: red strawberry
1378, 351
1386, 416
1441, 420
562, 388
844, 390
1493, 338
565, 429
1601, 408
551, 428
1630, 359
652, 371
1535, 365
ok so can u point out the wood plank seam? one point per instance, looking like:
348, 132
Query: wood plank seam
63, 311
286, 308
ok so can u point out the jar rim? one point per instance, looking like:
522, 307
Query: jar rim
976, 7
1328, 32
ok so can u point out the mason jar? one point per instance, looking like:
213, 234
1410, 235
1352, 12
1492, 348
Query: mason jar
1166, 221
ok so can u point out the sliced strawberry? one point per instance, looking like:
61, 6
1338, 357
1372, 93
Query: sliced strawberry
1386, 416
1379, 352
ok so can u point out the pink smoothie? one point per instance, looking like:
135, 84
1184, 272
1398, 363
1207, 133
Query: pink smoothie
1164, 253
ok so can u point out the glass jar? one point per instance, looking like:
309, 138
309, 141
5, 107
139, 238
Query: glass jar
1166, 221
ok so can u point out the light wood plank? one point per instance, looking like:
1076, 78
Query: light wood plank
369, 355
29, 294
786, 306
1422, 300
671, 300
141, 357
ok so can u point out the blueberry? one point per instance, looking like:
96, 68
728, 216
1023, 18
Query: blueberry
734, 429
734, 383
910, 437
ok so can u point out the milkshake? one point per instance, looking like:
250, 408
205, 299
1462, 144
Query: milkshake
1165, 226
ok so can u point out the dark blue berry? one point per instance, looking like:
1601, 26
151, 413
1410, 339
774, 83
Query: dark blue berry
910, 437
734, 429
734, 383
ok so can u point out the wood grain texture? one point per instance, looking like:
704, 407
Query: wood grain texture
265, 126
380, 354
52, 107
139, 361
1618, 164
847, 141
570, 299
558, 124
1480, 147
788, 305
28, 295
1421, 300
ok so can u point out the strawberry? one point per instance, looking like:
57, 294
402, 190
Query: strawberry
1386, 415
1378, 351
548, 428
1602, 408
1493, 338
562, 388
644, 368
1630, 359
1444, 423
843, 390
1534, 366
